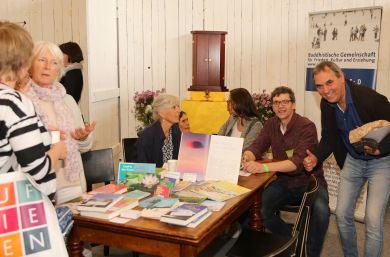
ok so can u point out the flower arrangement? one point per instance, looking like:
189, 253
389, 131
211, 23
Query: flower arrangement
263, 103
143, 107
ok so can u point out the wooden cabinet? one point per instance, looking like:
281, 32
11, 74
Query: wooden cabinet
208, 61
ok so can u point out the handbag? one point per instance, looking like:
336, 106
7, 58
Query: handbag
28, 220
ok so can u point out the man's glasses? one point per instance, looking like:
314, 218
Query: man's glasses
283, 102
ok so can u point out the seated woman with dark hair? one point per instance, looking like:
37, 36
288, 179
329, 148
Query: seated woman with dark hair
184, 124
160, 141
243, 121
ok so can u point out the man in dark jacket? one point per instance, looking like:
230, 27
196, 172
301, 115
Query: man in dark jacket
344, 107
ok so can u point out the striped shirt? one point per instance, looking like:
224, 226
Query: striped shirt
24, 141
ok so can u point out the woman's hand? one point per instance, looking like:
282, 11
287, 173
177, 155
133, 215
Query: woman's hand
82, 133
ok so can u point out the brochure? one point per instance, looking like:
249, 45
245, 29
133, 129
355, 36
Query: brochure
210, 157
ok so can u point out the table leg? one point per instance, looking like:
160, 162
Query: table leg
75, 246
255, 219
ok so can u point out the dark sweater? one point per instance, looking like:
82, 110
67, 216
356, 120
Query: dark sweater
301, 134
73, 83
151, 141
370, 106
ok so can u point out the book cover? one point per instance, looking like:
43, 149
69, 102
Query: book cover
181, 185
146, 182
154, 213
158, 202
99, 202
199, 220
119, 207
210, 156
214, 205
184, 214
219, 190
189, 196
162, 190
193, 154
137, 194
110, 189
125, 167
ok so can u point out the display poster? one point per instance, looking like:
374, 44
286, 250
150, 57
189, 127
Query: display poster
349, 38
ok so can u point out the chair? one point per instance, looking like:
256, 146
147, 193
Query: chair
258, 243
129, 149
98, 167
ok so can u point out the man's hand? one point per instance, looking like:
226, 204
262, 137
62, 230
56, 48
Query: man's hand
371, 151
310, 161
253, 167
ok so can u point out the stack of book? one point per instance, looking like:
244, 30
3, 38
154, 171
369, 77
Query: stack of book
184, 214
109, 189
106, 206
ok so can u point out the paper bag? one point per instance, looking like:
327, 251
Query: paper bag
28, 221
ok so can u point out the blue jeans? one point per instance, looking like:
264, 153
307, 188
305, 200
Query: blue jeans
353, 176
277, 195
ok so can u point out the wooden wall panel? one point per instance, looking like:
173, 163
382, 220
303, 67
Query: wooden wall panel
229, 49
147, 45
247, 44
266, 43
172, 47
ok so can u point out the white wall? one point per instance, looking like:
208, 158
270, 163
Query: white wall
56, 21
265, 46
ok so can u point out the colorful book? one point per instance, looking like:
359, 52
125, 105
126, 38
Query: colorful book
213, 205
181, 185
184, 214
189, 197
99, 202
137, 194
109, 189
122, 205
219, 190
154, 213
125, 167
158, 202
162, 190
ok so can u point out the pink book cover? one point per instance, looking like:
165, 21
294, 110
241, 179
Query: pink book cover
193, 154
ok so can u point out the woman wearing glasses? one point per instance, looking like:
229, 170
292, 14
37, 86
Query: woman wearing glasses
243, 121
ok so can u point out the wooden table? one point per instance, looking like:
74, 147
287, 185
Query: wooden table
158, 238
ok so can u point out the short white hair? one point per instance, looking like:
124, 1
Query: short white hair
163, 102
39, 46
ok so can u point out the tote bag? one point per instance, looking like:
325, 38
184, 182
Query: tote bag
28, 220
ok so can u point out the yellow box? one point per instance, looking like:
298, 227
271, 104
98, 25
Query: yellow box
205, 117
212, 96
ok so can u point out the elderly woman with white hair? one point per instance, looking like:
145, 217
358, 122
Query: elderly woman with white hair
160, 141
59, 111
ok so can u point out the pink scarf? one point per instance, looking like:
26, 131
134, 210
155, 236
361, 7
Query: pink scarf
65, 122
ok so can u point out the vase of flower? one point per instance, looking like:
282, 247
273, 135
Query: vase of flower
143, 107
263, 103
